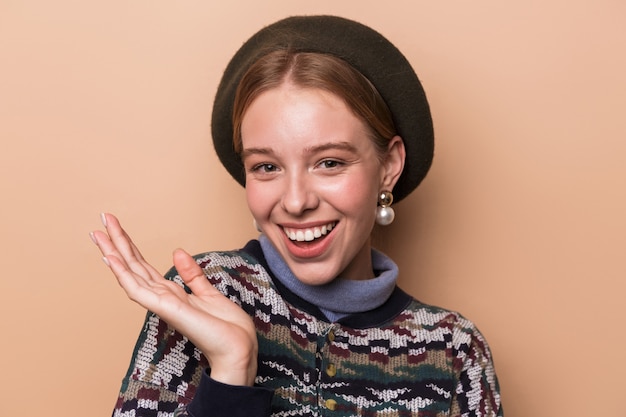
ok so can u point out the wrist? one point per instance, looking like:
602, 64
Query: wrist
233, 376
241, 371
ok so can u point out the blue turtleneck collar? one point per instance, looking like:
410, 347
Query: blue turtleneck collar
340, 297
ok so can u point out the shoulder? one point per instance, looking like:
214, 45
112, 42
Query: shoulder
431, 315
226, 266
241, 275
450, 325
232, 262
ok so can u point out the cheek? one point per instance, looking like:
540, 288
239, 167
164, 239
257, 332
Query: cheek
259, 201
358, 196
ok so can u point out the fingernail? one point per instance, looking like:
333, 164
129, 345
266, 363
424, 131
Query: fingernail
103, 217
106, 261
93, 238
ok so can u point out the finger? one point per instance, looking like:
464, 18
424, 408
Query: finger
107, 248
192, 274
127, 280
123, 245
108, 251
103, 242
118, 236
136, 288
132, 245
110, 219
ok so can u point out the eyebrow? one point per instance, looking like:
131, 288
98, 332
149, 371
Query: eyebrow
346, 146
255, 151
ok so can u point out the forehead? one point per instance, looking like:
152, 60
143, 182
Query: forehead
290, 114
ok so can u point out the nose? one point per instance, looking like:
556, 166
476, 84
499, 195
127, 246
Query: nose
300, 195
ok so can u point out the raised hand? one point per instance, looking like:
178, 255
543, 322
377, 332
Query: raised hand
218, 327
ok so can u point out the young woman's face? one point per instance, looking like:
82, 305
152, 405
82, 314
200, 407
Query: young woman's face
312, 180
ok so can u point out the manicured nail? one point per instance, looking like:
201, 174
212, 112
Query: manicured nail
103, 217
93, 238
106, 261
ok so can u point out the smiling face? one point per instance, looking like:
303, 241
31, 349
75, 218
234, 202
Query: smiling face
312, 179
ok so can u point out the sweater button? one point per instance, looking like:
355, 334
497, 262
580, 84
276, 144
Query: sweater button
331, 336
331, 404
331, 369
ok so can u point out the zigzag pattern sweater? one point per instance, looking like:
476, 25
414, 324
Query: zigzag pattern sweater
404, 358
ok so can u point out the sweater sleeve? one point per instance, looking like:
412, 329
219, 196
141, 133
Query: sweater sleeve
168, 376
216, 399
164, 372
477, 392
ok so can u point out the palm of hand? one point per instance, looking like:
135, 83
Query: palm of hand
218, 327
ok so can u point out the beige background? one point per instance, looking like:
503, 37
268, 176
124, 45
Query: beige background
104, 105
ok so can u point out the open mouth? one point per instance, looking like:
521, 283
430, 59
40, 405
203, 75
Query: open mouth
309, 234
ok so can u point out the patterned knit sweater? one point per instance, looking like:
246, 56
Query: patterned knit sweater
404, 358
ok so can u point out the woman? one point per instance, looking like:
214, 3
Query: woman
321, 118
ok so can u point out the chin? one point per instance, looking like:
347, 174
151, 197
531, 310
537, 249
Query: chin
314, 278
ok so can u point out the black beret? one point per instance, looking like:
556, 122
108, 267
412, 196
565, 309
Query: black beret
367, 51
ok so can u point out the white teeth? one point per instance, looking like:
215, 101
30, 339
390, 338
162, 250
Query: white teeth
308, 235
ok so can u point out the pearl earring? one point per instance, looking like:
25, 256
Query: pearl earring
384, 213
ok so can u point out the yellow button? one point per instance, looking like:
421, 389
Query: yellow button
331, 336
331, 369
331, 405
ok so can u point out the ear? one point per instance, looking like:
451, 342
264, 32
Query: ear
393, 163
